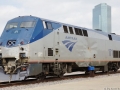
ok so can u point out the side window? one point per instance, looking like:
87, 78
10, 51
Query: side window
80, 31
50, 52
85, 33
44, 25
115, 54
65, 29
48, 25
110, 37
71, 30
119, 54
77, 31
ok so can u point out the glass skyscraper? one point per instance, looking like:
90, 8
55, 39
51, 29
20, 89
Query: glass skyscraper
102, 17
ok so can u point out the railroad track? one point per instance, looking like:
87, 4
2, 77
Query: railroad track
49, 79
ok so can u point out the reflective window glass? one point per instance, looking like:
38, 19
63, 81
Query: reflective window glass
27, 24
71, 30
65, 29
11, 25
49, 25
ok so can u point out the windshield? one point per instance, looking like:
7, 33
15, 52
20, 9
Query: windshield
27, 24
11, 25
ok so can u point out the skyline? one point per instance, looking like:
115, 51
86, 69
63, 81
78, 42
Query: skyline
77, 12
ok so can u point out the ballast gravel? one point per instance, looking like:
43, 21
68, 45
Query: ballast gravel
103, 82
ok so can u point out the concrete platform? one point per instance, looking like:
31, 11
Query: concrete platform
111, 82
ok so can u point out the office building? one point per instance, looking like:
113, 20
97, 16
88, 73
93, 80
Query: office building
102, 17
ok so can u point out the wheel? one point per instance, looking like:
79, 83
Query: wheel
91, 74
61, 75
115, 69
41, 76
25, 78
87, 72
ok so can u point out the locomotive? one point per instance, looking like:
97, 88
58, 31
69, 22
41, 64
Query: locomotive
35, 47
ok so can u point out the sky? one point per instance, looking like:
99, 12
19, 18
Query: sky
75, 12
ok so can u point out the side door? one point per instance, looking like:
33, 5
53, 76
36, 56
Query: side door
48, 42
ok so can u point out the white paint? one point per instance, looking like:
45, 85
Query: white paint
40, 54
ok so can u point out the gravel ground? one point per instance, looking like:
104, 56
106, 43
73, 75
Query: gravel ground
103, 82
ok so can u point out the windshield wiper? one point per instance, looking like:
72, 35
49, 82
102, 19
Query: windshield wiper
22, 27
25, 28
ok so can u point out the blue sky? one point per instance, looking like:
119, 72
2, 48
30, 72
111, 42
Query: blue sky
76, 12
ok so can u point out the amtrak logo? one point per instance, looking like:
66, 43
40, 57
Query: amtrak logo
16, 31
69, 44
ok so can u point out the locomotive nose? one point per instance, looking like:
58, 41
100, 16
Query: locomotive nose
13, 57
14, 52
10, 52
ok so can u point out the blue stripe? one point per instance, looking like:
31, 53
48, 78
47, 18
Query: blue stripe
71, 47
66, 41
69, 44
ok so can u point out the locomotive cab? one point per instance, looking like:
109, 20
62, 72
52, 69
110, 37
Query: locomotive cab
14, 43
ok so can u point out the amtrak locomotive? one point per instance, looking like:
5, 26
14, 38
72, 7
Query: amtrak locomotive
37, 47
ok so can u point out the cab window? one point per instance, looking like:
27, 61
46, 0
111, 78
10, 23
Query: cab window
11, 25
27, 24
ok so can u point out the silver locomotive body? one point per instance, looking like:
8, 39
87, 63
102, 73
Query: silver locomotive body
36, 47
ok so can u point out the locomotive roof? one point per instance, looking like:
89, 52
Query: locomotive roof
114, 36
